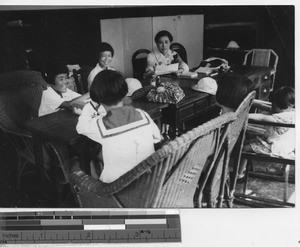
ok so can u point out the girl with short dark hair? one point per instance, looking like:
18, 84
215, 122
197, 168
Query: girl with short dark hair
127, 134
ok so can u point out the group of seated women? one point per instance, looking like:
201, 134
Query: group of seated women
127, 135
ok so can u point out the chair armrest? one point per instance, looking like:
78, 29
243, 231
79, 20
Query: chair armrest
19, 132
87, 183
275, 124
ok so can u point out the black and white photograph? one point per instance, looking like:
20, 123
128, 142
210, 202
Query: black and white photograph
198, 117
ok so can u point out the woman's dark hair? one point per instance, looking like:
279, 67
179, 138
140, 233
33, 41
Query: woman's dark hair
162, 34
283, 97
52, 71
103, 46
108, 87
232, 89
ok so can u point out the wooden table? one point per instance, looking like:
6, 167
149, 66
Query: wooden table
197, 104
61, 127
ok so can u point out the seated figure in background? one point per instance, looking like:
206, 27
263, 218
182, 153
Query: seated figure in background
57, 96
232, 90
127, 134
163, 55
274, 141
106, 53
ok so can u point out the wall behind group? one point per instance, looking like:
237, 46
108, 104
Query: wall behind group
128, 35
72, 34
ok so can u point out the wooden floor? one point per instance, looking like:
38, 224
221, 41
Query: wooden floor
30, 194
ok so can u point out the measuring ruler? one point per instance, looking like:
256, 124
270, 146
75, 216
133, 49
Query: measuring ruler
114, 226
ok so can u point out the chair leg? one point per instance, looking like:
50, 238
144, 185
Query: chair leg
229, 198
22, 163
286, 182
248, 165
20, 169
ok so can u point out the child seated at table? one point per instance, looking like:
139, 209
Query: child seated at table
127, 135
270, 140
57, 96
232, 90
106, 53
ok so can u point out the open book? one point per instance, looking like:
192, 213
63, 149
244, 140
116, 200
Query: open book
166, 69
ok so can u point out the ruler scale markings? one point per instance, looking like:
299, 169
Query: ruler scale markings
79, 226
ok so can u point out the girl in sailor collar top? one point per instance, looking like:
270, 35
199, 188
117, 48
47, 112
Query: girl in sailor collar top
163, 55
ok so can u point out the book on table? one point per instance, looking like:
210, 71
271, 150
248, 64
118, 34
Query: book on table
166, 69
189, 74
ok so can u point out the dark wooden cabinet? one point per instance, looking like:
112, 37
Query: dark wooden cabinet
263, 91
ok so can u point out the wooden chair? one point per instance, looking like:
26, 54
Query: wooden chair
167, 178
263, 57
256, 201
20, 97
221, 183
80, 77
139, 63
179, 48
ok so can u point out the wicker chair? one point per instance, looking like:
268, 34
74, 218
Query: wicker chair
220, 184
80, 77
20, 97
167, 178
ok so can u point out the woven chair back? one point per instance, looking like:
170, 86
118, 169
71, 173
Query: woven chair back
168, 178
20, 97
214, 190
261, 57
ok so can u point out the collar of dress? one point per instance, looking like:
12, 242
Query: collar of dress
161, 57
